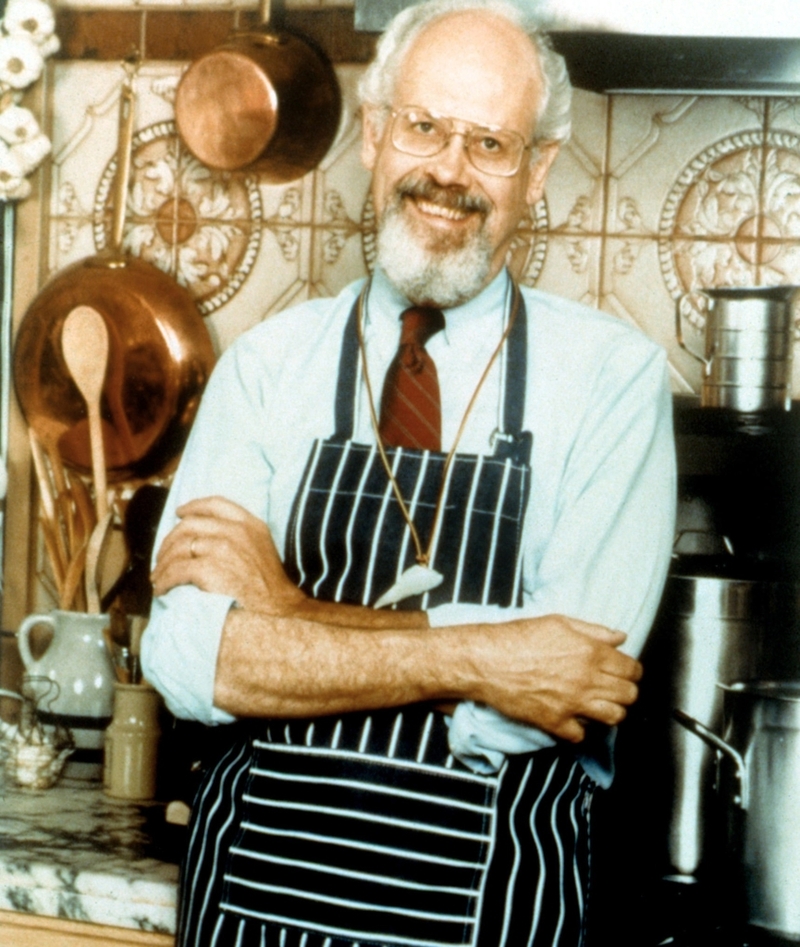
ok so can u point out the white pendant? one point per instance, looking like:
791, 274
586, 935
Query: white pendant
414, 581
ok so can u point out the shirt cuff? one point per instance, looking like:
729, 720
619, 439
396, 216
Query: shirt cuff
180, 648
479, 736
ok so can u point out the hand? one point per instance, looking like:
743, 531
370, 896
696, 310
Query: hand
557, 673
218, 546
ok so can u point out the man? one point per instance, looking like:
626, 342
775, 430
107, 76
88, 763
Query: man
472, 529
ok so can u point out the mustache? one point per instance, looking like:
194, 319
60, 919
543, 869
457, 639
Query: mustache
452, 197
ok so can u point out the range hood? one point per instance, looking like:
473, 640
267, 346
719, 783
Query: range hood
709, 47
720, 65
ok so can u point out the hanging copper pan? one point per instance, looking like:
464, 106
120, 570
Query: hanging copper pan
160, 352
265, 99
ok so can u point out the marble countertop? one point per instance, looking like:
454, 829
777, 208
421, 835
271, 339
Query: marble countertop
73, 852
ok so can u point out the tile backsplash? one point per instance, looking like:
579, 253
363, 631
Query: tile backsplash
653, 196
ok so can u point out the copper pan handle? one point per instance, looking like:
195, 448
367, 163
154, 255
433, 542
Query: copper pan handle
126, 102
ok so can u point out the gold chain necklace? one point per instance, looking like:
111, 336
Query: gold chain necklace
421, 577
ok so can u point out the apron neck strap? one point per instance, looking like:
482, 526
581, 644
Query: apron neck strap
516, 371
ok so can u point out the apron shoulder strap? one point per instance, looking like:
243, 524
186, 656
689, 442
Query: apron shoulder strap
346, 383
513, 441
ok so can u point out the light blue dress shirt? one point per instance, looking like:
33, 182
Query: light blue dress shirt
600, 522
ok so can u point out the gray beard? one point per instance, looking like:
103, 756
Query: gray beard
440, 277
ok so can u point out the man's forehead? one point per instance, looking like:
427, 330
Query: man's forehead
473, 65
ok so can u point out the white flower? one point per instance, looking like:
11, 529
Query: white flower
49, 46
31, 153
17, 124
13, 185
21, 62
31, 18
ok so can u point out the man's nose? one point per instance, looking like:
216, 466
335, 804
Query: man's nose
451, 165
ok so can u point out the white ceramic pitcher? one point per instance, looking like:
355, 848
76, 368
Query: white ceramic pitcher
78, 661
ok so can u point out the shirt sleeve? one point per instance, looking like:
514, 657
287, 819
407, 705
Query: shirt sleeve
605, 559
180, 645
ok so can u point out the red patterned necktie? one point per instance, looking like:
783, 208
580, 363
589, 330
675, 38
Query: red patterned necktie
411, 414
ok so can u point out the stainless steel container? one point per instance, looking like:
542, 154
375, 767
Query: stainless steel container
710, 631
762, 794
749, 341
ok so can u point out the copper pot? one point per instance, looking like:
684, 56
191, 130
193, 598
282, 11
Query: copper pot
265, 99
160, 353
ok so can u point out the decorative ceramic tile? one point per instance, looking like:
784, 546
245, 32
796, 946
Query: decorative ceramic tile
634, 290
656, 142
574, 186
571, 268
341, 187
783, 114
341, 167
84, 134
721, 178
278, 279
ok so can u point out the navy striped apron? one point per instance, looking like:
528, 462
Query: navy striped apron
362, 829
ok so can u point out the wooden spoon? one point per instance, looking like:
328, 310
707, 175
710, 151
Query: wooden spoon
94, 558
84, 342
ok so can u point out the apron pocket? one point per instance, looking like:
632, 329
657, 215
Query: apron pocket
367, 848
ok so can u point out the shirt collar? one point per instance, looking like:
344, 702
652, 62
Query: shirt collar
385, 304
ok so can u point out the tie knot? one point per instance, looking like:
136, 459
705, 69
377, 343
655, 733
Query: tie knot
419, 324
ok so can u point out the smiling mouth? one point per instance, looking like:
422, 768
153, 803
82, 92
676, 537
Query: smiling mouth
439, 210
446, 203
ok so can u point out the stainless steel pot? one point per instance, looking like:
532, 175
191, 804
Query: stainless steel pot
710, 629
761, 737
749, 338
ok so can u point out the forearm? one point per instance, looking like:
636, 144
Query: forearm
281, 653
330, 659
355, 616
552, 672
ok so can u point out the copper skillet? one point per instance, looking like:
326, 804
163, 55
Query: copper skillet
266, 99
160, 352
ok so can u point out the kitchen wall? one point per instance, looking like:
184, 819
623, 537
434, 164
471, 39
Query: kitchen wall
654, 195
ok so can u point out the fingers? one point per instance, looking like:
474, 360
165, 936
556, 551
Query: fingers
558, 673
572, 730
179, 571
617, 664
214, 507
599, 632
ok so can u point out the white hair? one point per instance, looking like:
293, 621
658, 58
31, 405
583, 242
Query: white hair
553, 122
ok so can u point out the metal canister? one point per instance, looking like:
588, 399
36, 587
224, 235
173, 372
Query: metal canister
749, 341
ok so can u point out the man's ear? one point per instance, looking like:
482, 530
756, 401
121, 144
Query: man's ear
372, 127
538, 173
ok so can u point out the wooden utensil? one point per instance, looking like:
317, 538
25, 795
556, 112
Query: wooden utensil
84, 342
94, 557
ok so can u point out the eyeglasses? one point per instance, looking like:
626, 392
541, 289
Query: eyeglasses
490, 149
